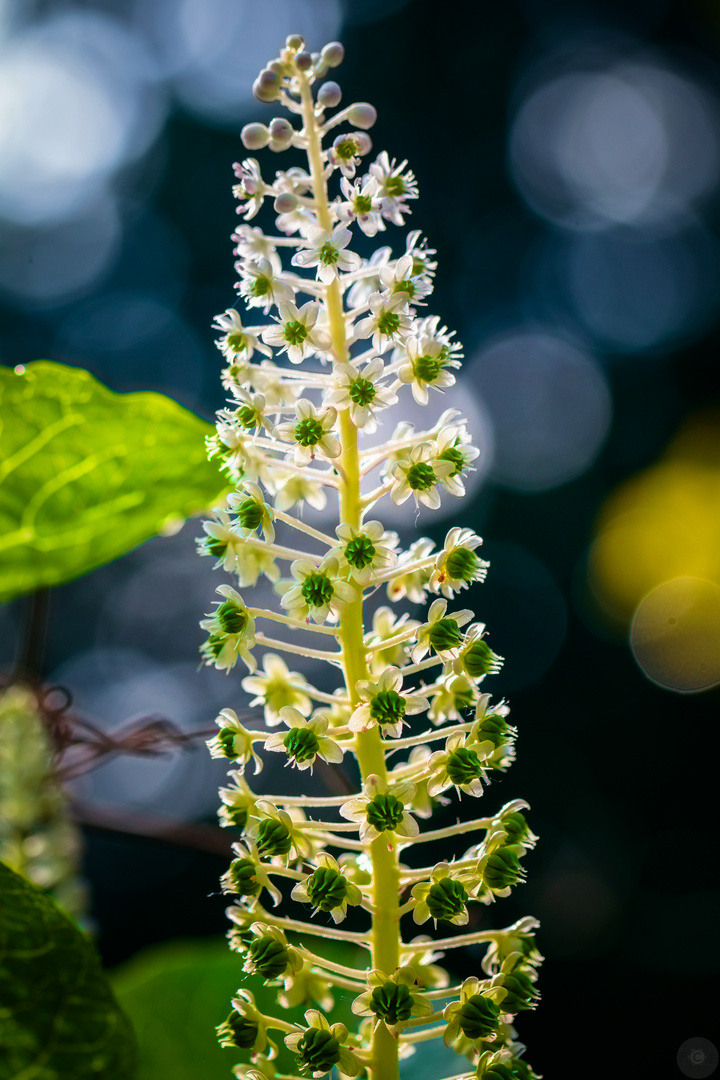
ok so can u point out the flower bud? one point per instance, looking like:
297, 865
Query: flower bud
478, 1017
304, 61
241, 1031
362, 115
294, 42
392, 1002
267, 86
503, 869
329, 95
273, 838
242, 877
326, 888
281, 133
254, 136
318, 1051
285, 202
332, 54
446, 899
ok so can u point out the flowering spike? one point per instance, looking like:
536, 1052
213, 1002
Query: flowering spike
328, 341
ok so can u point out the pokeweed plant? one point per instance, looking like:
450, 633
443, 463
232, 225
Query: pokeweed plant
356, 337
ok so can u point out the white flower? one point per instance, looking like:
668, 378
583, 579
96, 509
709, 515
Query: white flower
319, 594
441, 633
427, 365
311, 432
444, 896
305, 739
238, 801
232, 632
250, 413
295, 332
460, 765
261, 284
346, 151
386, 704
247, 876
251, 511
451, 446
236, 340
252, 561
251, 190
418, 475
277, 833
400, 280
395, 185
368, 283
299, 489
327, 252
252, 243
457, 566
382, 809
305, 1040
358, 390
475, 659
276, 688
220, 541
423, 263
388, 322
456, 694
327, 888
405, 999
234, 741
367, 550
363, 204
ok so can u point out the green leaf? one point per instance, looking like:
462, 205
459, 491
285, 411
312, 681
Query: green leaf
176, 994
59, 1019
87, 474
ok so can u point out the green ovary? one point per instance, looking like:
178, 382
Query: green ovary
502, 869
455, 457
317, 589
328, 255
478, 1017
242, 877
385, 812
308, 432
249, 514
261, 286
387, 707
247, 416
301, 744
231, 618
326, 888
462, 564
244, 1031
479, 659
237, 342
446, 899
421, 476
388, 323
269, 956
463, 766
273, 838
216, 547
362, 392
395, 186
391, 1002
445, 634
318, 1051
362, 204
295, 332
360, 552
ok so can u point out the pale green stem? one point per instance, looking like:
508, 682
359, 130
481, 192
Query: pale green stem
433, 735
302, 527
301, 650
275, 616
450, 943
341, 969
422, 1036
452, 830
316, 931
370, 754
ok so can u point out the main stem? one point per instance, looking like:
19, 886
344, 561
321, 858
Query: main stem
370, 753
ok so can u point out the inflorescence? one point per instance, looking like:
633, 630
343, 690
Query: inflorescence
341, 338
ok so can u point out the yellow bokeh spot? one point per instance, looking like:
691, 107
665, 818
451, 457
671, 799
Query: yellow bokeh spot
662, 524
675, 634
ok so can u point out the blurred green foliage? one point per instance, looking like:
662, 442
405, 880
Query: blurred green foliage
59, 1019
87, 474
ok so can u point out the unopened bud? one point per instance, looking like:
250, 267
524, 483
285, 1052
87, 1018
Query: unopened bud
267, 86
294, 41
304, 61
285, 203
332, 53
362, 115
281, 134
255, 136
329, 96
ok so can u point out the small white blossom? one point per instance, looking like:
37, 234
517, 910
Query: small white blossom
366, 550
413, 583
362, 204
318, 593
358, 390
386, 704
251, 190
441, 633
305, 739
237, 341
426, 365
295, 332
234, 741
327, 252
251, 511
327, 888
385, 626
457, 566
418, 475
396, 184
299, 489
311, 432
381, 809
387, 323
399, 280
261, 284
232, 632
276, 688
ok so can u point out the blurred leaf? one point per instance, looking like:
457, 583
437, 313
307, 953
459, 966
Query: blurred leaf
87, 474
176, 994
59, 1019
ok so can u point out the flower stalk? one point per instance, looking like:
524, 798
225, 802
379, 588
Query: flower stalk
354, 336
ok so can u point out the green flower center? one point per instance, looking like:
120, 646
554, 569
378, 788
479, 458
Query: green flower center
388, 323
363, 204
445, 634
392, 1002
521, 992
385, 812
387, 707
214, 646
308, 432
216, 547
269, 956
463, 766
418, 266
242, 877
446, 899
502, 869
231, 618
479, 659
362, 391
273, 838
478, 1017
345, 149
301, 744
464, 699
317, 590
318, 1051
360, 552
394, 186
328, 255
236, 341
295, 332
495, 728
247, 416
237, 815
421, 476
244, 1031
261, 286
405, 286
427, 368
516, 827
462, 564
455, 456
326, 888
249, 514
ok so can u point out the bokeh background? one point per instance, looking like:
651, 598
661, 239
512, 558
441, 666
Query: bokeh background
568, 157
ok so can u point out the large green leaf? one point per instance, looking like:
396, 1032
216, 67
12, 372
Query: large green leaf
59, 1019
87, 474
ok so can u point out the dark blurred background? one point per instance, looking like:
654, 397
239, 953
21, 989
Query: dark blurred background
568, 157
